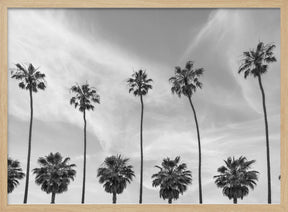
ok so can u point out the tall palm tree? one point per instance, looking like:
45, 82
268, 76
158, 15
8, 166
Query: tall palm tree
235, 179
173, 179
255, 63
186, 82
115, 174
139, 84
54, 174
14, 174
32, 80
84, 98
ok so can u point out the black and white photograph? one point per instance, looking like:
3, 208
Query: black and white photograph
143, 106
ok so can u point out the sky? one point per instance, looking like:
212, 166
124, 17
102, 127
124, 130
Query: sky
103, 47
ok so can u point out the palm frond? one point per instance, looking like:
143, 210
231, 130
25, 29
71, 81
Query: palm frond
15, 174
235, 179
55, 173
255, 62
172, 178
84, 97
139, 84
115, 174
185, 81
29, 77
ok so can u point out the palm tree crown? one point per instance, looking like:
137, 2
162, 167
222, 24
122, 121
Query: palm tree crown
54, 174
30, 78
15, 174
235, 179
84, 97
255, 62
139, 83
186, 81
115, 174
173, 179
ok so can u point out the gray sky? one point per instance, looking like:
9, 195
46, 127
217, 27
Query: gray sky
104, 46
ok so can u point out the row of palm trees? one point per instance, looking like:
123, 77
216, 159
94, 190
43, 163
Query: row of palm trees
55, 174
185, 82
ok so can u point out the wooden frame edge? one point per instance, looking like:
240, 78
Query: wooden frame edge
3, 106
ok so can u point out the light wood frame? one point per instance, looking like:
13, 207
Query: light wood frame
282, 4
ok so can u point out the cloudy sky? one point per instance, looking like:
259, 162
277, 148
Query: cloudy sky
103, 47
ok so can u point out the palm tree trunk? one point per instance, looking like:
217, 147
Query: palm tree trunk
267, 140
234, 200
141, 150
84, 163
29, 147
114, 197
53, 198
170, 201
199, 150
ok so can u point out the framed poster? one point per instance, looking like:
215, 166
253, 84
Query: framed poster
124, 106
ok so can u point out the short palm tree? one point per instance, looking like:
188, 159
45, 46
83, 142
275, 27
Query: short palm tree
186, 82
32, 80
84, 98
14, 174
235, 178
255, 63
139, 84
173, 179
54, 174
115, 174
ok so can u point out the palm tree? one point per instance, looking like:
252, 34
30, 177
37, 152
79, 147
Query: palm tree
84, 98
115, 174
173, 179
185, 82
14, 174
255, 62
54, 174
139, 84
235, 179
33, 80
